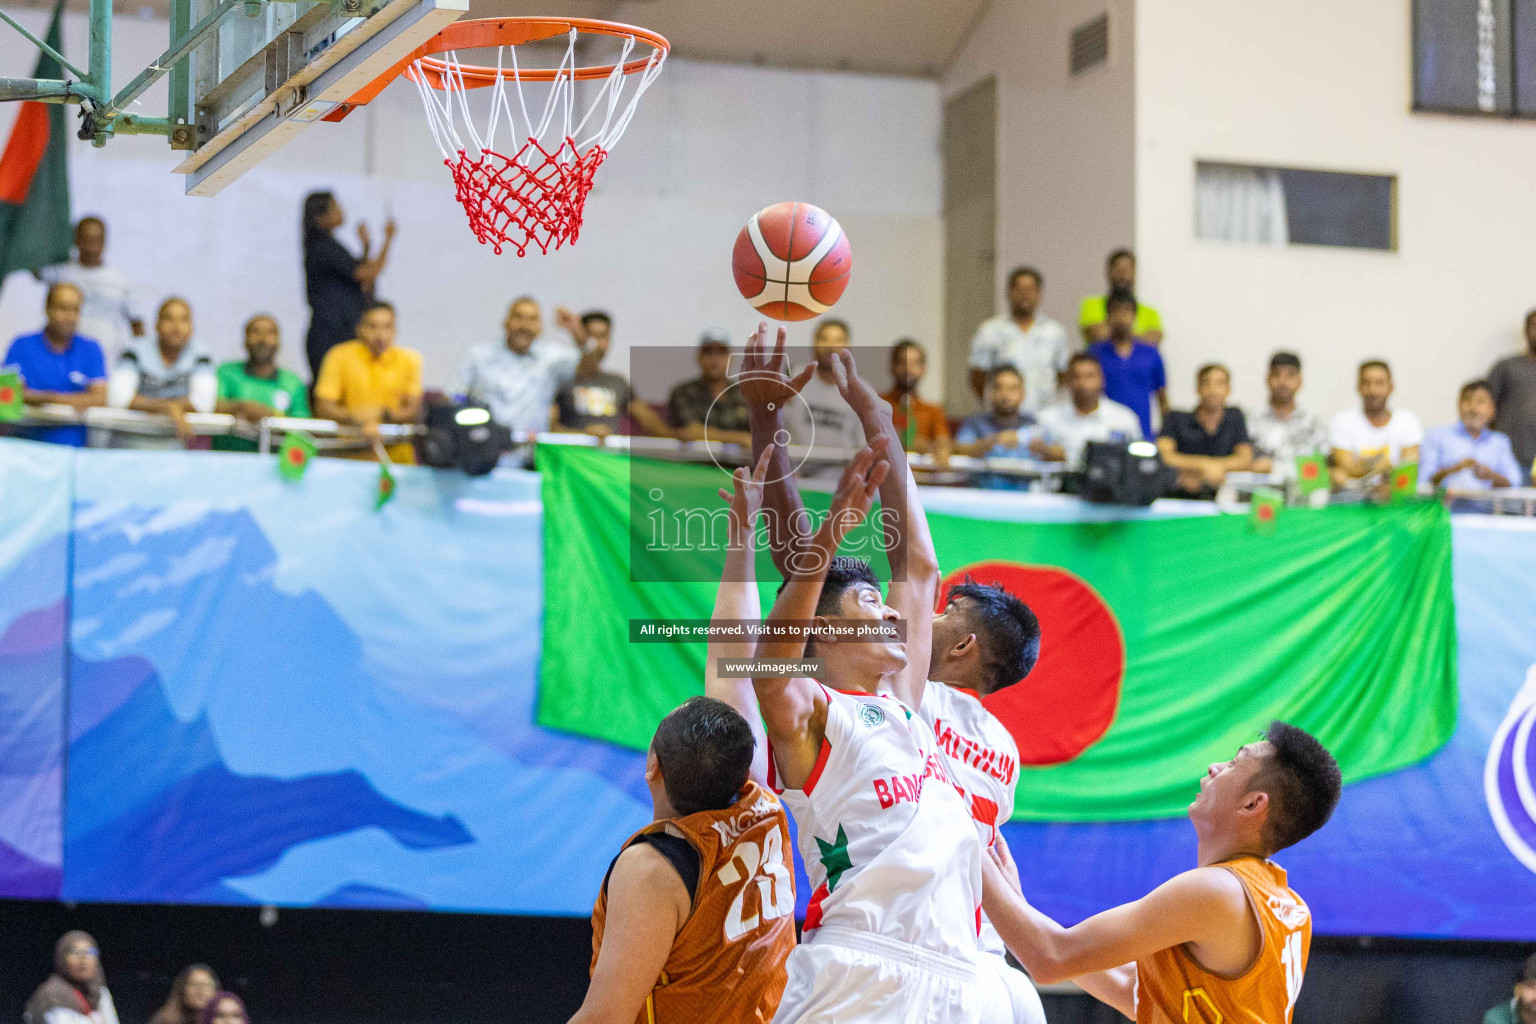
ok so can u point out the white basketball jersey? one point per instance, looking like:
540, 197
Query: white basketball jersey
883, 832
983, 763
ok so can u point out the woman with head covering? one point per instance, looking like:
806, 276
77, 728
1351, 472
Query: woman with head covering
76, 992
339, 286
224, 1008
192, 990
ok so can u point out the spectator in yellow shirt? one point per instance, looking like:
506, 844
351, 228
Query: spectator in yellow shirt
371, 380
1093, 316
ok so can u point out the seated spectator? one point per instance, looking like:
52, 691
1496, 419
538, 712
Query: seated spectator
371, 380
821, 418
59, 367
1004, 430
1086, 415
1522, 1008
921, 424
1370, 440
171, 375
595, 401
1093, 315
224, 1008
258, 387
1282, 432
1469, 455
76, 992
1030, 342
1133, 370
109, 311
1210, 442
1513, 384
709, 407
192, 990
516, 379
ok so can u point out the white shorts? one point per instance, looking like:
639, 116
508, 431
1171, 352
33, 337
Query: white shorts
851, 977
1007, 994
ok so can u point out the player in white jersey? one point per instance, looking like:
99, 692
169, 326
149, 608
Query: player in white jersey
891, 931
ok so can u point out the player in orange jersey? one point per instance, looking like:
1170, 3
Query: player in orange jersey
1227, 941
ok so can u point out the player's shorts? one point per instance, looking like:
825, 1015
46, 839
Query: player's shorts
844, 976
1007, 994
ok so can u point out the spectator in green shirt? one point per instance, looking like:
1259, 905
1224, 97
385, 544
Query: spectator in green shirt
258, 387
1093, 317
1522, 1008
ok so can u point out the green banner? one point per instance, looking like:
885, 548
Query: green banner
1167, 643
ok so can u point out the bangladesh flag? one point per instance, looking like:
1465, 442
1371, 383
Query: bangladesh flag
11, 407
1405, 481
34, 176
1265, 510
1168, 643
293, 459
386, 489
1311, 473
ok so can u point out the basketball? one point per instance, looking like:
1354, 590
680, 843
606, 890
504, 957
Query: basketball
792, 261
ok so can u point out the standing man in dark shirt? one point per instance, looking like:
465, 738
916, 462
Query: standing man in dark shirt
338, 285
1513, 383
710, 406
1133, 370
595, 401
1207, 444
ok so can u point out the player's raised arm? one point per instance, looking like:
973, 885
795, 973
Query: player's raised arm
914, 588
1206, 908
765, 389
795, 708
737, 601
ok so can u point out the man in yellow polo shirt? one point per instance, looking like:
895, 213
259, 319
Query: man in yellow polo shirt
371, 380
1093, 316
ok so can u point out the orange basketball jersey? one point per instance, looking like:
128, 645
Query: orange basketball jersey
1172, 989
727, 962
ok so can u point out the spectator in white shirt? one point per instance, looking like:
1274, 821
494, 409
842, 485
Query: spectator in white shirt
1282, 431
1370, 440
517, 378
1032, 343
76, 992
1086, 416
171, 375
821, 417
108, 310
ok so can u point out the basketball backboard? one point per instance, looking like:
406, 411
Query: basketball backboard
264, 78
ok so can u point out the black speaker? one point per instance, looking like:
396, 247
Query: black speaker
1125, 474
464, 437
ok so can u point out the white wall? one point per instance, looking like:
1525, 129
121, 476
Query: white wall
1326, 85
1065, 145
712, 143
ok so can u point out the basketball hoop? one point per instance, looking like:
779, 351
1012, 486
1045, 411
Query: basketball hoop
530, 189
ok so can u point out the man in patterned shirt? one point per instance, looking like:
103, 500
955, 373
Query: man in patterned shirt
1282, 431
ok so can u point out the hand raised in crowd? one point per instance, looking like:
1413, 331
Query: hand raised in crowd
571, 324
764, 385
364, 235
389, 230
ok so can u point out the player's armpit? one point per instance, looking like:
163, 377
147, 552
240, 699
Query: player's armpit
1115, 987
647, 906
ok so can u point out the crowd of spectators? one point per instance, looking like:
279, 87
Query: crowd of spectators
1045, 395
76, 992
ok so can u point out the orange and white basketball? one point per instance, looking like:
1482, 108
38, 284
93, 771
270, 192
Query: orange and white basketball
792, 261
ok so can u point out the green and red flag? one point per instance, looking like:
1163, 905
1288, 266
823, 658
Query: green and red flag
386, 489
293, 458
11, 407
1168, 643
1311, 473
34, 175
1405, 481
1265, 506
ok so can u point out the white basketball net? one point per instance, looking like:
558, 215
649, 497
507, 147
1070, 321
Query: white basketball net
535, 196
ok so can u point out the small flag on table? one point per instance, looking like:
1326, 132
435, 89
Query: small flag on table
1405, 481
293, 459
11, 407
1265, 510
1311, 473
386, 478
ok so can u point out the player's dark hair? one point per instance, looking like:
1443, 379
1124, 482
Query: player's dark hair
1475, 385
316, 204
704, 749
832, 322
1007, 628
1019, 272
998, 371
844, 572
1119, 297
1120, 254
1303, 783
1376, 364
1083, 357
906, 343
1284, 359
1211, 368
596, 316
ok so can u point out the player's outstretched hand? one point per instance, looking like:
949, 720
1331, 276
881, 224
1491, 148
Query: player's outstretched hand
856, 391
764, 384
854, 495
746, 495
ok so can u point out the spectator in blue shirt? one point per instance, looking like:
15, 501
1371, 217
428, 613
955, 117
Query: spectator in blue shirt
1133, 370
1469, 455
1003, 430
58, 367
